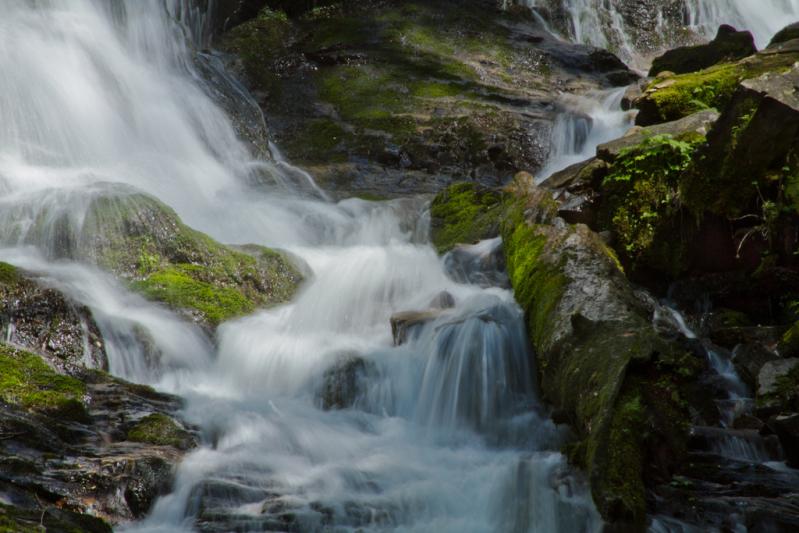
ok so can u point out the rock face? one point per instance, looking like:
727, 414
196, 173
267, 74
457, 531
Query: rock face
728, 45
77, 447
382, 98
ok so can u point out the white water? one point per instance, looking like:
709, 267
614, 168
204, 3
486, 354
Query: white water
447, 433
589, 120
600, 22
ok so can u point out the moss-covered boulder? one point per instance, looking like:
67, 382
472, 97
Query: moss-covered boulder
381, 98
671, 97
593, 335
145, 243
728, 45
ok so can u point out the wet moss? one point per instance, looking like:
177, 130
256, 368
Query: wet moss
178, 289
464, 213
27, 381
160, 430
9, 274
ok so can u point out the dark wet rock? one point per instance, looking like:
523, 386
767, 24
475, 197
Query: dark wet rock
787, 429
82, 466
728, 45
481, 264
442, 300
404, 323
345, 381
44, 320
788, 33
379, 98
749, 359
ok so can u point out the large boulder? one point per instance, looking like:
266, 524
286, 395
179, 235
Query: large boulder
729, 45
592, 334
788, 33
778, 384
145, 244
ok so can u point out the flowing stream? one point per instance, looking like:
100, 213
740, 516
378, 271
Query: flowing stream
445, 433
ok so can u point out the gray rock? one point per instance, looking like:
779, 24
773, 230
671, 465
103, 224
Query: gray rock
771, 381
728, 45
404, 323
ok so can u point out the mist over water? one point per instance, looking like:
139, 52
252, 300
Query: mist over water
445, 433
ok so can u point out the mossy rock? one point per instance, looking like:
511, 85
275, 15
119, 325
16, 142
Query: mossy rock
464, 213
145, 243
673, 97
161, 430
728, 45
27, 381
592, 334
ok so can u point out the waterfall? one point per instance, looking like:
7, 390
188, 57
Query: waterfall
635, 32
445, 433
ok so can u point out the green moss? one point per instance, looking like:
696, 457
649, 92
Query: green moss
161, 430
643, 202
464, 213
682, 95
178, 289
9, 274
26, 380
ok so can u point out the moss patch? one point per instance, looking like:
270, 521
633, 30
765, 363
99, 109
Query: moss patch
464, 213
161, 430
25, 380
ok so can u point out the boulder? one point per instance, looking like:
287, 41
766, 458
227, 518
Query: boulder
749, 359
464, 213
787, 429
404, 323
777, 384
728, 45
786, 34
593, 334
344, 382
442, 300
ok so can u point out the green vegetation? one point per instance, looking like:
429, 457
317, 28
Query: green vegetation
161, 430
27, 381
464, 213
643, 200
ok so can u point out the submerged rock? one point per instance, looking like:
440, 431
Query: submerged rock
344, 382
728, 45
404, 323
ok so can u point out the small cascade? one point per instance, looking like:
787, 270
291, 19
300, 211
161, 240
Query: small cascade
588, 121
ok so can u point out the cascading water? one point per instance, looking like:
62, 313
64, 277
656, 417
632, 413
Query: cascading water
607, 23
446, 434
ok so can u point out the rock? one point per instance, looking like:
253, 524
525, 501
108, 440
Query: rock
144, 242
65, 448
403, 323
344, 382
777, 383
749, 359
480, 264
592, 333
442, 300
787, 429
346, 87
46, 321
696, 124
786, 34
674, 97
728, 45
464, 213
